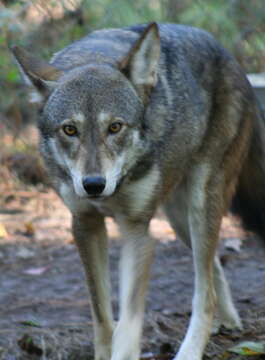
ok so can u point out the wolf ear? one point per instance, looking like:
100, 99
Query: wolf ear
37, 73
141, 63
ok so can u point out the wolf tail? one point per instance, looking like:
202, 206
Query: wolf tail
249, 199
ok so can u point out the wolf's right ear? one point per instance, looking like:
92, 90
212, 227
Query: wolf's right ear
141, 63
37, 73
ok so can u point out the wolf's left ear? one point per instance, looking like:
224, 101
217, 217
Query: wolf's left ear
141, 63
38, 74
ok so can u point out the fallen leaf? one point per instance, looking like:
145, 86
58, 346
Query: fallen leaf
225, 355
30, 323
147, 355
249, 348
151, 356
26, 343
3, 232
30, 230
233, 244
36, 271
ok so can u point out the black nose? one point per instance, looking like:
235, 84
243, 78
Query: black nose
94, 185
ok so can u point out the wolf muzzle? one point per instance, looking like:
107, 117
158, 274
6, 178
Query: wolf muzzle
94, 185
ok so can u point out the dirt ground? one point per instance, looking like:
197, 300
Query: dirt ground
44, 306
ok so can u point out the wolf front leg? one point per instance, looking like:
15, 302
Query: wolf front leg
136, 258
90, 236
205, 210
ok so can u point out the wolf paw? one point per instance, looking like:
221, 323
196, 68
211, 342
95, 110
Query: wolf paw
234, 323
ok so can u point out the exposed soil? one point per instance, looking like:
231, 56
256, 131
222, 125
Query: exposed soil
44, 307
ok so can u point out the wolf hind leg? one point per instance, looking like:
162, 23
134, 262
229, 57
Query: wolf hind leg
227, 313
177, 214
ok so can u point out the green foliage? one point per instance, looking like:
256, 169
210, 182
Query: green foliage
211, 15
108, 13
8, 71
12, 75
238, 24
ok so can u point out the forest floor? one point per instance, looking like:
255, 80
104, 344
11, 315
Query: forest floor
44, 305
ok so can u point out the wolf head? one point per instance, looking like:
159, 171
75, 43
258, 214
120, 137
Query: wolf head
92, 122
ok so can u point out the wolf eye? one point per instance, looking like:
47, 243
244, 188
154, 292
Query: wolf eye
70, 130
115, 127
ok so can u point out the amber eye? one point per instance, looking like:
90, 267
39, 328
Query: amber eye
115, 127
70, 130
